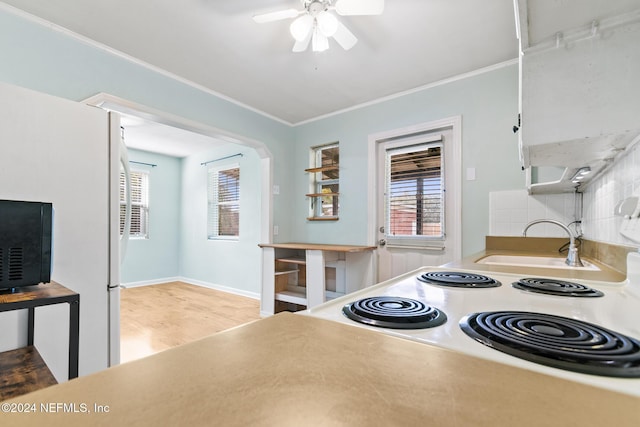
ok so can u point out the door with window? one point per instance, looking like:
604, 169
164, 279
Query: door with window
417, 200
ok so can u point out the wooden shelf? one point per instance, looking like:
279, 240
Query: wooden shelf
297, 295
322, 194
294, 294
322, 169
292, 260
23, 371
318, 247
322, 218
281, 272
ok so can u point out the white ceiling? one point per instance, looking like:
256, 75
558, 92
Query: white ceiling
171, 141
215, 45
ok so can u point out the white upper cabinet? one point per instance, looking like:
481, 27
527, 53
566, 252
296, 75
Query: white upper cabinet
579, 84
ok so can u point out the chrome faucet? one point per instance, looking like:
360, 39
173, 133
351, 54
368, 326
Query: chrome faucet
573, 258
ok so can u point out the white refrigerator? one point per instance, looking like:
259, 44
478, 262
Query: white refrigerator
67, 153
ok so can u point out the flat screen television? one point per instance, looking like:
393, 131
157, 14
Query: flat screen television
26, 235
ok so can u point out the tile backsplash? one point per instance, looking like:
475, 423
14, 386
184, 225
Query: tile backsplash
620, 181
510, 211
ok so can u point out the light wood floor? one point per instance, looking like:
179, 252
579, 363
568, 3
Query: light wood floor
157, 317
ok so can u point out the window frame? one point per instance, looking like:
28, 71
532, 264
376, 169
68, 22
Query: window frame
143, 203
416, 240
213, 202
317, 183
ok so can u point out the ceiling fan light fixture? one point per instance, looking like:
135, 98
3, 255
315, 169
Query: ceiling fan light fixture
319, 42
327, 23
316, 22
300, 27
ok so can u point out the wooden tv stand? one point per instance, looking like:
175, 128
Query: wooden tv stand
23, 370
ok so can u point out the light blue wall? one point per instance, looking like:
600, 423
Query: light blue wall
157, 257
38, 57
178, 244
488, 104
229, 263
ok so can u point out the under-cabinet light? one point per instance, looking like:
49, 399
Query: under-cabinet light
580, 174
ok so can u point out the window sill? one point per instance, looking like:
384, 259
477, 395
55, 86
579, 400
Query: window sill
322, 218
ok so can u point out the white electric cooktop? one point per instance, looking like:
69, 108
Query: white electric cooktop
618, 309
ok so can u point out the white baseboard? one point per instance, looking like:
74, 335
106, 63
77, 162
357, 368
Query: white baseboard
151, 282
248, 294
241, 292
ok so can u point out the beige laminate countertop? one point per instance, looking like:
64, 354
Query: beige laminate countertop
291, 370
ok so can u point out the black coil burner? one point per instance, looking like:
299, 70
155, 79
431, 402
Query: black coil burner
556, 341
458, 280
394, 312
556, 287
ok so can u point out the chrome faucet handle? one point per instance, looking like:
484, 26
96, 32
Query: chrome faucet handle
573, 257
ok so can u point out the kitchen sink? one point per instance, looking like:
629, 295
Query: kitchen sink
534, 261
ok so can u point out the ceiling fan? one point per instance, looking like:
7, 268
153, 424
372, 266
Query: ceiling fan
315, 23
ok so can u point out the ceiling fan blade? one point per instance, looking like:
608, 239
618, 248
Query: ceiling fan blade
276, 16
359, 7
344, 37
301, 46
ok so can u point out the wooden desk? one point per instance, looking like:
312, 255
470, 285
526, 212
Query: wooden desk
23, 369
307, 262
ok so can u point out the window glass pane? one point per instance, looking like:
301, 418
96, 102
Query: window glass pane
223, 207
228, 220
139, 203
228, 185
415, 197
325, 181
329, 203
329, 157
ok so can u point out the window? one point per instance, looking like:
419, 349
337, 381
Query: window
324, 182
415, 193
139, 204
223, 207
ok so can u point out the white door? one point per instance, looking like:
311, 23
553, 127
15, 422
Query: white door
417, 197
56, 150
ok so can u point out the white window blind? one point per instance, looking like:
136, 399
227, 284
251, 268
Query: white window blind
415, 194
139, 204
223, 206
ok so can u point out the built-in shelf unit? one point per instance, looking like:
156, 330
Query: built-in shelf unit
298, 275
